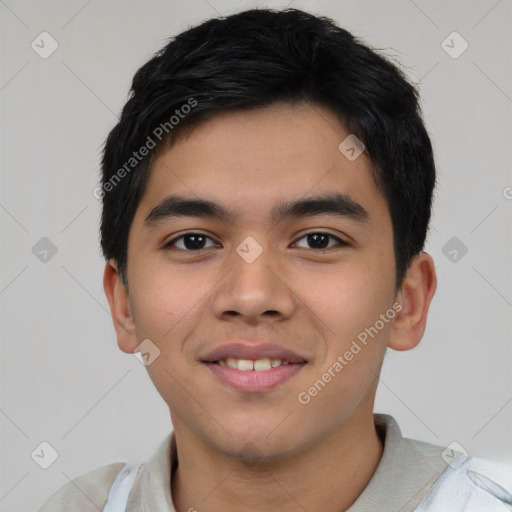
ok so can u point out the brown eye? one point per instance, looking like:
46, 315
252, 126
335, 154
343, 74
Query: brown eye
190, 242
321, 240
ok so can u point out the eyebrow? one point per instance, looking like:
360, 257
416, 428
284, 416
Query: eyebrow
338, 205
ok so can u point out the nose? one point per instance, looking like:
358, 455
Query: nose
252, 292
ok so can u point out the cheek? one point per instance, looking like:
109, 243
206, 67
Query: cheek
165, 298
345, 298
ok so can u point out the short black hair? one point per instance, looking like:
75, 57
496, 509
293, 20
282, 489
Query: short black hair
252, 59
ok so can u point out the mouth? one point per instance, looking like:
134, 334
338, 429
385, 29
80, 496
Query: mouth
259, 365
253, 368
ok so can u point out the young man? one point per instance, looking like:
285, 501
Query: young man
266, 198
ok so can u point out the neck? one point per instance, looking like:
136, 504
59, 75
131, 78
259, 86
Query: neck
328, 476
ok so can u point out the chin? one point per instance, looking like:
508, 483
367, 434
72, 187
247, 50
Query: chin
262, 442
257, 452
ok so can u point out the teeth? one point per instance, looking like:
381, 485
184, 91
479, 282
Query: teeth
262, 364
232, 363
247, 365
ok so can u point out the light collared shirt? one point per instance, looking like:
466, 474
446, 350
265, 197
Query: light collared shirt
408, 474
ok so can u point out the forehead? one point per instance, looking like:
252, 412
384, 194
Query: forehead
252, 160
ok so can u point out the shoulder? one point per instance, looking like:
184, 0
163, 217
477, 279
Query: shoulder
409, 460
90, 491
85, 493
479, 484
424, 450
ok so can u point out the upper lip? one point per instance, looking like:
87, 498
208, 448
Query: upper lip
252, 352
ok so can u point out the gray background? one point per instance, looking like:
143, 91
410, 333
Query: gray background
63, 379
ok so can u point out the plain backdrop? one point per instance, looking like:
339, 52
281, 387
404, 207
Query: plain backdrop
63, 379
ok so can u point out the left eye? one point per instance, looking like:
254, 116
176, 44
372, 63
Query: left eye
190, 242
321, 240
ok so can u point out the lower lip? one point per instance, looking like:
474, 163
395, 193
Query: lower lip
254, 381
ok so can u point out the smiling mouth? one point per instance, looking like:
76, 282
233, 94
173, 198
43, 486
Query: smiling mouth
263, 364
252, 367
253, 376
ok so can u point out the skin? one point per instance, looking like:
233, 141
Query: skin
267, 450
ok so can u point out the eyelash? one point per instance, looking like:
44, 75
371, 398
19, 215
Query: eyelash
171, 243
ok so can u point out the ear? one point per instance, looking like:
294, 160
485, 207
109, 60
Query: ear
119, 301
415, 295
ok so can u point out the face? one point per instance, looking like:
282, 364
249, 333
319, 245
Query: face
257, 278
